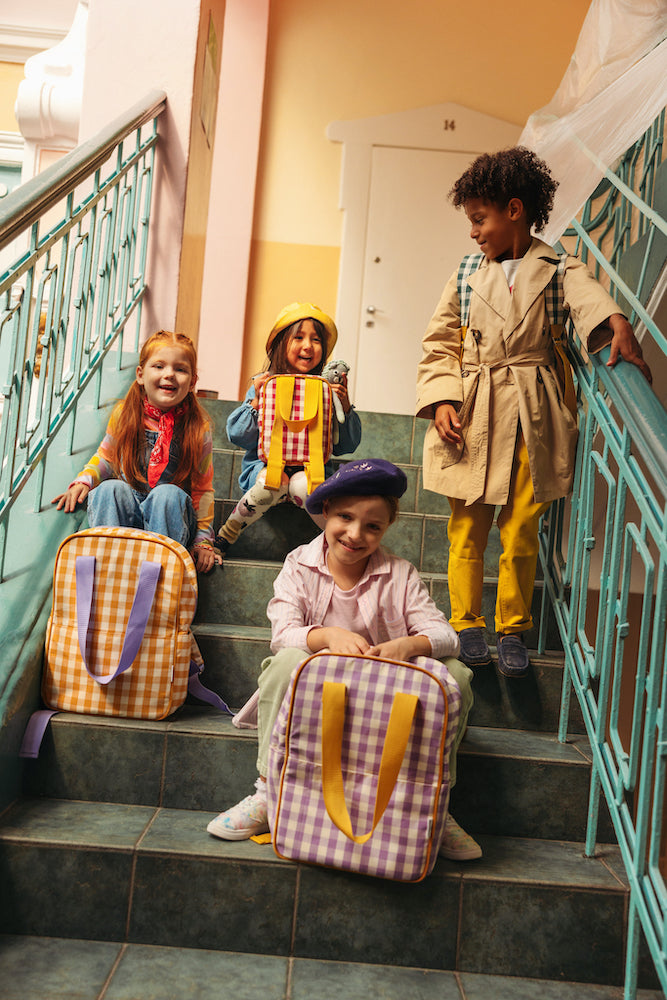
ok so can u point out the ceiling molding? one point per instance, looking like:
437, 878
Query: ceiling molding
19, 42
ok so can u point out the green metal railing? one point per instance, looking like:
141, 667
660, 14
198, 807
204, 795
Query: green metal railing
604, 552
73, 245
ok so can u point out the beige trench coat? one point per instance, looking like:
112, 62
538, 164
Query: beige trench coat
504, 378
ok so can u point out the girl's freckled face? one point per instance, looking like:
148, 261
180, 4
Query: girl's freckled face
166, 377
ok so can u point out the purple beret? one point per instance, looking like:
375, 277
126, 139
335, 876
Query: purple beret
364, 477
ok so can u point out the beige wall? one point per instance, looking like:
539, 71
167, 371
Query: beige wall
358, 58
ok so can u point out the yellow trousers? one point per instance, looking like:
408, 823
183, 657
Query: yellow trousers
468, 532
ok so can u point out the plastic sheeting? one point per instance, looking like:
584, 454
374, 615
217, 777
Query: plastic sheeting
614, 87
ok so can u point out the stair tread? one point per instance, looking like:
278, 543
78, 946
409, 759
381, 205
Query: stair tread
525, 745
182, 832
232, 631
478, 740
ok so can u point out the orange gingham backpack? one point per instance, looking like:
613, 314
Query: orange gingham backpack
295, 426
118, 641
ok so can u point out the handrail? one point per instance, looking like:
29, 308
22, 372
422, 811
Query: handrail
68, 297
28, 202
604, 552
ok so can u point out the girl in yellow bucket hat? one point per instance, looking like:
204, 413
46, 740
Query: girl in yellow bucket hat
299, 343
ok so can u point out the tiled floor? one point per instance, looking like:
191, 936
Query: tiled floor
34, 968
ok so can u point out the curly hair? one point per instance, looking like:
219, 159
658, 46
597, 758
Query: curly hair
510, 173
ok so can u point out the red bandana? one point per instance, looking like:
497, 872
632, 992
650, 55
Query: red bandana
159, 458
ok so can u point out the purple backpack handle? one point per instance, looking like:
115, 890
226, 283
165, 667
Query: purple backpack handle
149, 575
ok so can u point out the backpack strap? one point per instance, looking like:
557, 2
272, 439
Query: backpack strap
149, 574
314, 468
284, 391
198, 690
553, 295
34, 732
334, 700
468, 266
553, 292
557, 315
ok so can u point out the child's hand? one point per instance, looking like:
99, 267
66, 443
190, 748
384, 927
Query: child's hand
68, 501
625, 345
206, 557
340, 388
258, 382
447, 423
337, 640
402, 649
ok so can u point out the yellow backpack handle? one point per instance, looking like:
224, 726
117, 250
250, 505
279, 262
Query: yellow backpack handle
312, 419
334, 697
285, 395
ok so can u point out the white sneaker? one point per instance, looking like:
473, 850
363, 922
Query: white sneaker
244, 820
457, 845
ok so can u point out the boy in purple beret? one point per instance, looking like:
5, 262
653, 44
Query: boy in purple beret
344, 593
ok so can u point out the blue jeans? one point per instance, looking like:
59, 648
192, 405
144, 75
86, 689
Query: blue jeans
166, 509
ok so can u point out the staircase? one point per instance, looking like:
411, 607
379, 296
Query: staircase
111, 888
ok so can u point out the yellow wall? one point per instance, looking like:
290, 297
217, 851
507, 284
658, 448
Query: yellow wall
357, 58
11, 75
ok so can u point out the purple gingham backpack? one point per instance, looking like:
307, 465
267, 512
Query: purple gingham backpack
359, 764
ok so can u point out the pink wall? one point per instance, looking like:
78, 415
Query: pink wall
133, 48
232, 203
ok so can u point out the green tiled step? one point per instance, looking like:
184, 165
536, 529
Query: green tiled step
153, 876
59, 968
232, 658
227, 466
421, 538
233, 655
510, 783
238, 592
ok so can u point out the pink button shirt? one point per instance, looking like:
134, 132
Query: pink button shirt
392, 600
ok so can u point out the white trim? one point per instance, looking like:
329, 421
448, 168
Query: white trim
12, 145
20, 42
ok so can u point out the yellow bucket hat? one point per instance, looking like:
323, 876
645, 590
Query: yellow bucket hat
303, 310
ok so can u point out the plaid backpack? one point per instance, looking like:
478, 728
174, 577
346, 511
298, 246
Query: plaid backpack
118, 640
295, 426
358, 775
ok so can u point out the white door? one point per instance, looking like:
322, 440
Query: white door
414, 240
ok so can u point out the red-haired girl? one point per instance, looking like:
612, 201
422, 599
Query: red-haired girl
154, 468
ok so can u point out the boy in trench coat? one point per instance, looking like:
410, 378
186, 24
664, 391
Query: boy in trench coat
501, 433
